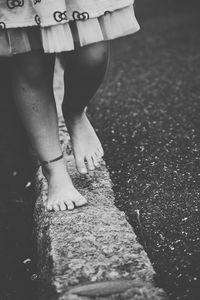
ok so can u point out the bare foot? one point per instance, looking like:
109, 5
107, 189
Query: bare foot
86, 146
62, 194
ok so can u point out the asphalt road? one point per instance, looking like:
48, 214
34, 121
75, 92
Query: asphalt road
147, 116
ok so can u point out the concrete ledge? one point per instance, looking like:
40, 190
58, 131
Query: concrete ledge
92, 245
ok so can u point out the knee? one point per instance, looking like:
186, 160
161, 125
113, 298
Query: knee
93, 56
96, 55
34, 75
33, 70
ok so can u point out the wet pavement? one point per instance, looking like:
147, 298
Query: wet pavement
147, 116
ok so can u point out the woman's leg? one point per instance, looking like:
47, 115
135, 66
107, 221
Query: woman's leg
85, 70
32, 82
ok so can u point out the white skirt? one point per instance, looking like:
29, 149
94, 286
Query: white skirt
67, 36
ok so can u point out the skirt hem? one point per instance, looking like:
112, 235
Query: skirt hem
68, 36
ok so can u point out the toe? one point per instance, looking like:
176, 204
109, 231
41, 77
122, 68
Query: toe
100, 152
80, 202
81, 167
49, 207
100, 149
56, 207
69, 204
62, 205
95, 160
99, 157
90, 163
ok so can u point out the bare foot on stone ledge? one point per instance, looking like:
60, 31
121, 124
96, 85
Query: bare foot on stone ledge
62, 194
86, 146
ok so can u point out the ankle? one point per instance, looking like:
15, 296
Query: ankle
53, 168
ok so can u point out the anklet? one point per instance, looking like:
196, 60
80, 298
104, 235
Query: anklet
45, 162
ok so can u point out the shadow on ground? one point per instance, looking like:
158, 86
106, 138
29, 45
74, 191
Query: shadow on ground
16, 200
16, 254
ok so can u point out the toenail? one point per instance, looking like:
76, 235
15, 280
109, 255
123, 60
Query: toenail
70, 207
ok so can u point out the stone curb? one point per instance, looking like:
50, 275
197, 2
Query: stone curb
91, 252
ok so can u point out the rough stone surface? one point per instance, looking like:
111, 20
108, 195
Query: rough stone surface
91, 244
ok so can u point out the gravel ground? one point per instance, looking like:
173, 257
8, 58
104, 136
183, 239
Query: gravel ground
147, 116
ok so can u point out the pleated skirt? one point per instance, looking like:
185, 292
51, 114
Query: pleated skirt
70, 35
